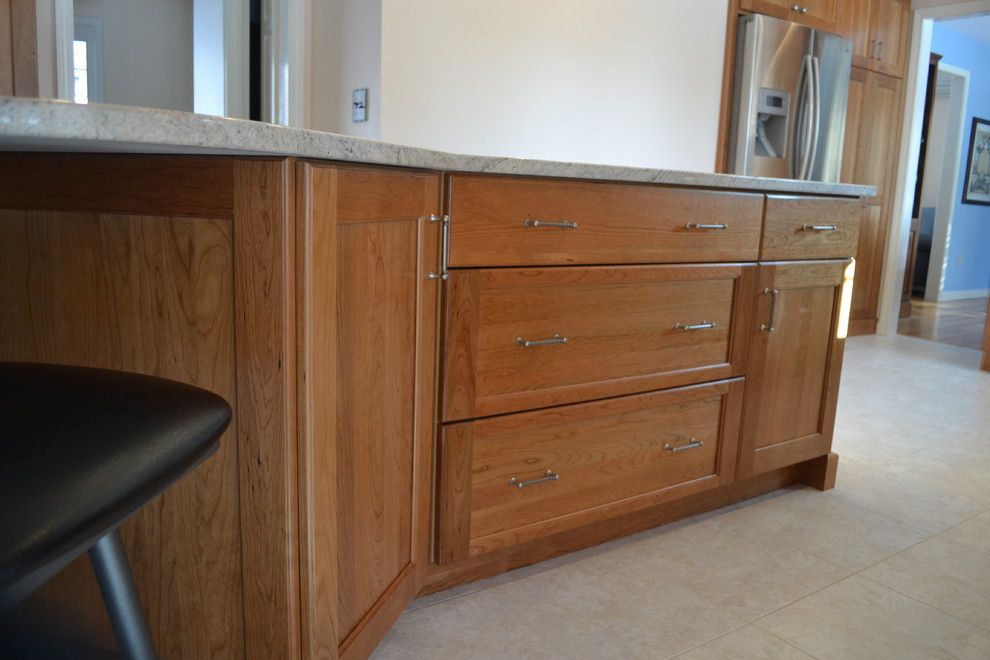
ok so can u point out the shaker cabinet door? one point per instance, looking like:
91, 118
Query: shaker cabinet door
795, 357
367, 395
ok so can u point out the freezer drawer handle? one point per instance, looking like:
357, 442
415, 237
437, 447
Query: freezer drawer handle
565, 224
704, 325
528, 343
549, 475
691, 445
819, 227
704, 225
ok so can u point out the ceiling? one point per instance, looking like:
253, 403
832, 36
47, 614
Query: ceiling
974, 27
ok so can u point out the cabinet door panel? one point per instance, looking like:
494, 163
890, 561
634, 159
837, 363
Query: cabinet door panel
368, 383
796, 354
888, 28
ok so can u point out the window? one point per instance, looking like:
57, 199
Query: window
87, 60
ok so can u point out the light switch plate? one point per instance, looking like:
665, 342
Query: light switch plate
359, 105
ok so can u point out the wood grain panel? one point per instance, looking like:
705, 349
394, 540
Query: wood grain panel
24, 46
193, 186
499, 561
6, 51
369, 349
890, 27
611, 457
151, 295
787, 232
869, 264
376, 362
616, 223
453, 499
316, 288
264, 277
792, 382
621, 326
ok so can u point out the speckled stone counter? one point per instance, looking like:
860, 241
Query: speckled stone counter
43, 125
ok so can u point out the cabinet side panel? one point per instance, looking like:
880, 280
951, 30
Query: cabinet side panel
153, 295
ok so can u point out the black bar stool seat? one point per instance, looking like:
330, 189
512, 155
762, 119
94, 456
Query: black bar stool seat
82, 450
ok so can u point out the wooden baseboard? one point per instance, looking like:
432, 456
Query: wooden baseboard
437, 578
820, 472
862, 327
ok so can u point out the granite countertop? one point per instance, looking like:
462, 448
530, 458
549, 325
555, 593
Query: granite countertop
44, 125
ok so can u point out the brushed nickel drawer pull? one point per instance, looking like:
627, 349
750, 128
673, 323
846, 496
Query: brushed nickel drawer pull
565, 224
528, 343
549, 475
691, 445
706, 225
819, 227
768, 327
704, 325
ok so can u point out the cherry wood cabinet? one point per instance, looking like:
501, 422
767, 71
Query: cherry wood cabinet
367, 387
879, 30
326, 300
824, 14
795, 359
870, 151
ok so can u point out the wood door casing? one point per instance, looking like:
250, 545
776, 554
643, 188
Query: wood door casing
792, 383
369, 348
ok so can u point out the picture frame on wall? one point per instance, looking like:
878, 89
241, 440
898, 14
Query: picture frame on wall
977, 188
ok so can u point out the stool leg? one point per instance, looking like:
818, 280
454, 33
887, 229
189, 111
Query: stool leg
121, 599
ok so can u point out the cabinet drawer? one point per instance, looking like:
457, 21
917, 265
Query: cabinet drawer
810, 228
493, 223
518, 339
512, 479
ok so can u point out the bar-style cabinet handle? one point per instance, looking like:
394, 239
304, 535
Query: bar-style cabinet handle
768, 327
564, 224
529, 343
704, 325
706, 225
679, 448
549, 475
819, 227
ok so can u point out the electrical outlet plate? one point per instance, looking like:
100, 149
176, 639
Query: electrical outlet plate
359, 105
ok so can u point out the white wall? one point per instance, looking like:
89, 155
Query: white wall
147, 51
345, 54
628, 82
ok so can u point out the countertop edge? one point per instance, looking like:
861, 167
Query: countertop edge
46, 125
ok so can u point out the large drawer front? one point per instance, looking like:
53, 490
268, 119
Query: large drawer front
592, 333
512, 479
811, 228
493, 223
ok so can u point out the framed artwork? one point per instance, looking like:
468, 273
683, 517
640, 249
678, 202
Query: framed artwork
977, 188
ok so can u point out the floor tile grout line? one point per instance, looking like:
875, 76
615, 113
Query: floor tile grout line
983, 632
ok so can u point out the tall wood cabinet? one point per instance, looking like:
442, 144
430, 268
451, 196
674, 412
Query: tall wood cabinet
368, 239
824, 14
869, 157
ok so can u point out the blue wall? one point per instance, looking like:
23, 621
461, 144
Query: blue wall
970, 237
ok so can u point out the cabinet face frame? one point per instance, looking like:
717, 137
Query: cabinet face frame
785, 277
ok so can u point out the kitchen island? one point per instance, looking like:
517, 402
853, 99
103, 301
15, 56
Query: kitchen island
442, 366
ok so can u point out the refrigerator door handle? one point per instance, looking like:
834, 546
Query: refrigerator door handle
804, 118
816, 115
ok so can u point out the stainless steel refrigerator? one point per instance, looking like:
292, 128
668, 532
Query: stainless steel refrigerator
789, 112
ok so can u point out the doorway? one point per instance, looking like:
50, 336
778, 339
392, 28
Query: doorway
946, 255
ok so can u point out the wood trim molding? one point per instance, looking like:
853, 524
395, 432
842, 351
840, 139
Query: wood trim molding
264, 293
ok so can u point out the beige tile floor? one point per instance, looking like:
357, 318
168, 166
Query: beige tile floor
893, 563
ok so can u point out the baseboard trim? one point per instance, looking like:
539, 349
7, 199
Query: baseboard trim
945, 296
